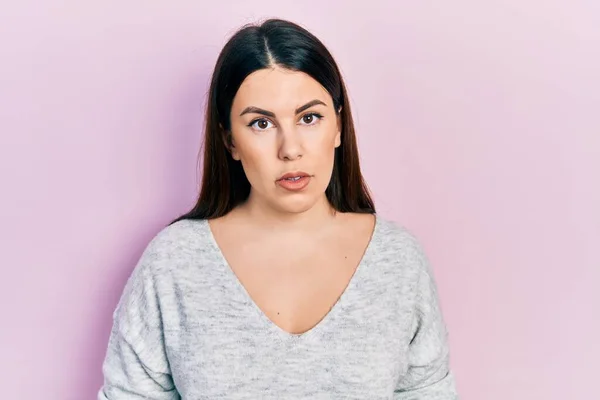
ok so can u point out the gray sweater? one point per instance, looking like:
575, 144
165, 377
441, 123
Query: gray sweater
185, 328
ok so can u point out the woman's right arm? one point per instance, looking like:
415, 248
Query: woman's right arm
136, 364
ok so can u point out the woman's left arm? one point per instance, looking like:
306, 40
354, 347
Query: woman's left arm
428, 376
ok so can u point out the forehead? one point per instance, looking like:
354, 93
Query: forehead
279, 89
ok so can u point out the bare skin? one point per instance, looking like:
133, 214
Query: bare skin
290, 250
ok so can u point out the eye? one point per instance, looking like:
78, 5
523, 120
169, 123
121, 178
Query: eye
260, 124
311, 118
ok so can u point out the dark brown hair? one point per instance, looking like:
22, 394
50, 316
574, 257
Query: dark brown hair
254, 47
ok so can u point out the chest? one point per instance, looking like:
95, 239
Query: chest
221, 345
294, 285
242, 359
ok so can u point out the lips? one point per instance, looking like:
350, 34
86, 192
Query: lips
294, 181
293, 176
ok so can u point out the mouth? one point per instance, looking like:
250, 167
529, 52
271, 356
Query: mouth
293, 176
294, 181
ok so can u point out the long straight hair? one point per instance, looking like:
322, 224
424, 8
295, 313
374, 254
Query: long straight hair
281, 43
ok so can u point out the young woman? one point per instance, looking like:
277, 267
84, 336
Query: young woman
281, 283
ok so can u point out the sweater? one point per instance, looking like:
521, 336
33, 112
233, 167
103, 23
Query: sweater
185, 328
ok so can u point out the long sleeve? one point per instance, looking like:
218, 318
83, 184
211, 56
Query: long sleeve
136, 365
428, 376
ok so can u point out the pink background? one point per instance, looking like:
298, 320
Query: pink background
479, 130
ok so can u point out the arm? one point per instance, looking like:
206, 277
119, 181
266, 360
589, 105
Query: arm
428, 376
136, 365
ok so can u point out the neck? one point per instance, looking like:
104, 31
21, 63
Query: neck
267, 217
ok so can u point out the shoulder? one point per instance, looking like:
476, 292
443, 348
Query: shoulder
179, 235
399, 249
173, 255
171, 249
396, 237
175, 244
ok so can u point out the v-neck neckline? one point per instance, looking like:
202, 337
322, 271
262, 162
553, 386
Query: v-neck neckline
269, 324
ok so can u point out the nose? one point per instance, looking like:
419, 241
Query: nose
290, 144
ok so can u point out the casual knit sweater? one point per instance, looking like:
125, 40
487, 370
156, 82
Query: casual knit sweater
186, 328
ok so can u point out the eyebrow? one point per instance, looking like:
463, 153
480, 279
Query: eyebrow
271, 114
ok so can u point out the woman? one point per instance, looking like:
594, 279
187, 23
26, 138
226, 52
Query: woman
281, 282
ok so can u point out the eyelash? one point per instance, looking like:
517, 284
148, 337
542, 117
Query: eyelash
314, 114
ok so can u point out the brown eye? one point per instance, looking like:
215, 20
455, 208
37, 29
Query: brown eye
310, 119
260, 124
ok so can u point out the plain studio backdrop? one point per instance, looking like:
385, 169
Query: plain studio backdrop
479, 130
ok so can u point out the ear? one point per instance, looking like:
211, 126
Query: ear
338, 139
338, 136
229, 143
234, 153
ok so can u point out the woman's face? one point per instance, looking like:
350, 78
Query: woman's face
284, 131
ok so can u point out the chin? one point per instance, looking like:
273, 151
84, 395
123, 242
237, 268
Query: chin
296, 204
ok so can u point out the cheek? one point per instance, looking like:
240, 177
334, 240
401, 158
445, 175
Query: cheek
324, 144
255, 159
